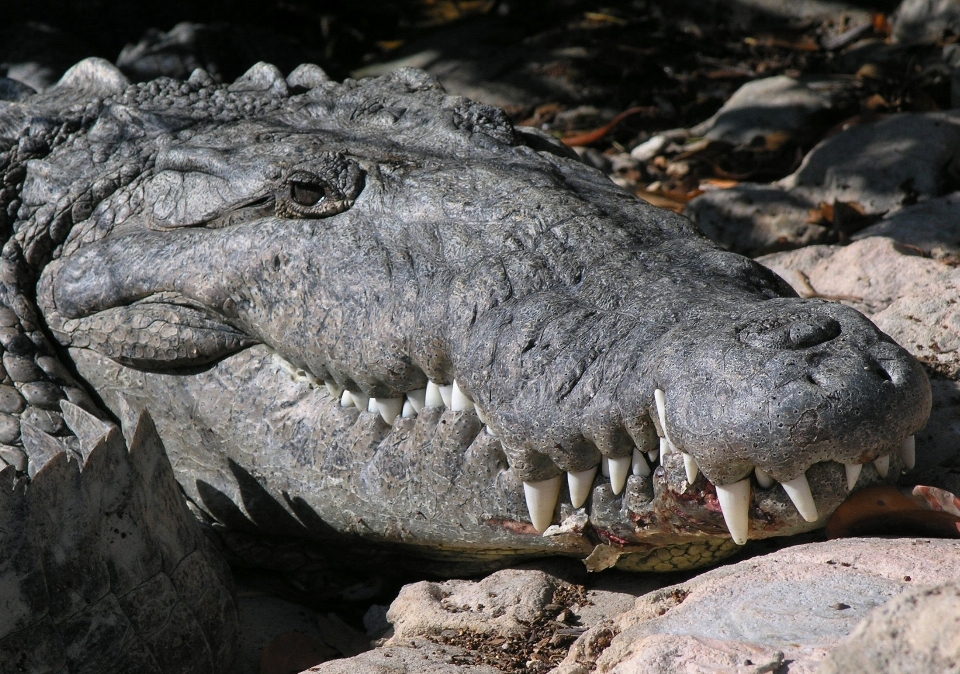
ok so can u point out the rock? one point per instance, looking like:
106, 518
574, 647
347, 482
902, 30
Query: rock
780, 108
756, 219
417, 656
873, 169
504, 602
925, 20
791, 606
932, 226
264, 618
914, 633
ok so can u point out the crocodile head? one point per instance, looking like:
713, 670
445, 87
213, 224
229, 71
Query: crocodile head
375, 307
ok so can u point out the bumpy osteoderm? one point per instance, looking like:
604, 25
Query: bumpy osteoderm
383, 310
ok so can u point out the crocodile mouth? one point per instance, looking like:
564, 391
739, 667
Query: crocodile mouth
632, 499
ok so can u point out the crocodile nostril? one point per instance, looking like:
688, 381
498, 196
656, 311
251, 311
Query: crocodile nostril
790, 333
878, 370
804, 334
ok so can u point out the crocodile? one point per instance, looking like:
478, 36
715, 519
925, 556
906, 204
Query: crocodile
375, 314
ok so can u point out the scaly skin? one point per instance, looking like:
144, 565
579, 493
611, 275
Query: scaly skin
218, 255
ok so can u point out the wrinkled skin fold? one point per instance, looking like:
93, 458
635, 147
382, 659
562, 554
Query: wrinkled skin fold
512, 314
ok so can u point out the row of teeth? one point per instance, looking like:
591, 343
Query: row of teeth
542, 496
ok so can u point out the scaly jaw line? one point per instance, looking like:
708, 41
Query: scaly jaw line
542, 496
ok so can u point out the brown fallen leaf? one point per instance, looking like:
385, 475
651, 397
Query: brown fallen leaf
588, 137
888, 511
294, 652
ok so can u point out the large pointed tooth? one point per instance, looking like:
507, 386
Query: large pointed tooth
735, 505
432, 397
446, 393
346, 399
853, 474
480, 415
372, 405
639, 465
882, 465
763, 478
361, 400
417, 398
653, 455
542, 500
580, 483
619, 470
690, 465
408, 412
459, 402
389, 408
664, 446
798, 489
333, 388
605, 467
908, 451
490, 432
661, 400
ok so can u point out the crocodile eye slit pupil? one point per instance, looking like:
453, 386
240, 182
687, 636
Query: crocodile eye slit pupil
306, 194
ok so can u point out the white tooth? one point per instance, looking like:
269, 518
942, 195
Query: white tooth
853, 474
408, 412
432, 397
661, 400
346, 400
619, 470
480, 415
372, 405
416, 398
664, 446
763, 478
735, 505
389, 408
360, 400
653, 455
580, 483
882, 465
333, 389
639, 464
459, 402
798, 489
490, 432
446, 393
542, 500
605, 467
690, 465
908, 451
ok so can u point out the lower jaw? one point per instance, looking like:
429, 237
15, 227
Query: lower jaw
451, 496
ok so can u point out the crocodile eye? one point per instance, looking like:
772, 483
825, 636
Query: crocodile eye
307, 194
323, 186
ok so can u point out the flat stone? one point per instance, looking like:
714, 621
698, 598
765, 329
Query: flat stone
791, 109
876, 168
792, 606
415, 656
914, 633
932, 226
925, 20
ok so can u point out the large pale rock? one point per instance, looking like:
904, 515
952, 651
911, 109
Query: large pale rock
914, 299
925, 20
790, 606
416, 656
915, 633
781, 106
932, 226
877, 168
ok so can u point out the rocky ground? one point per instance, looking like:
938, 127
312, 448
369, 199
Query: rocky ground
822, 138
